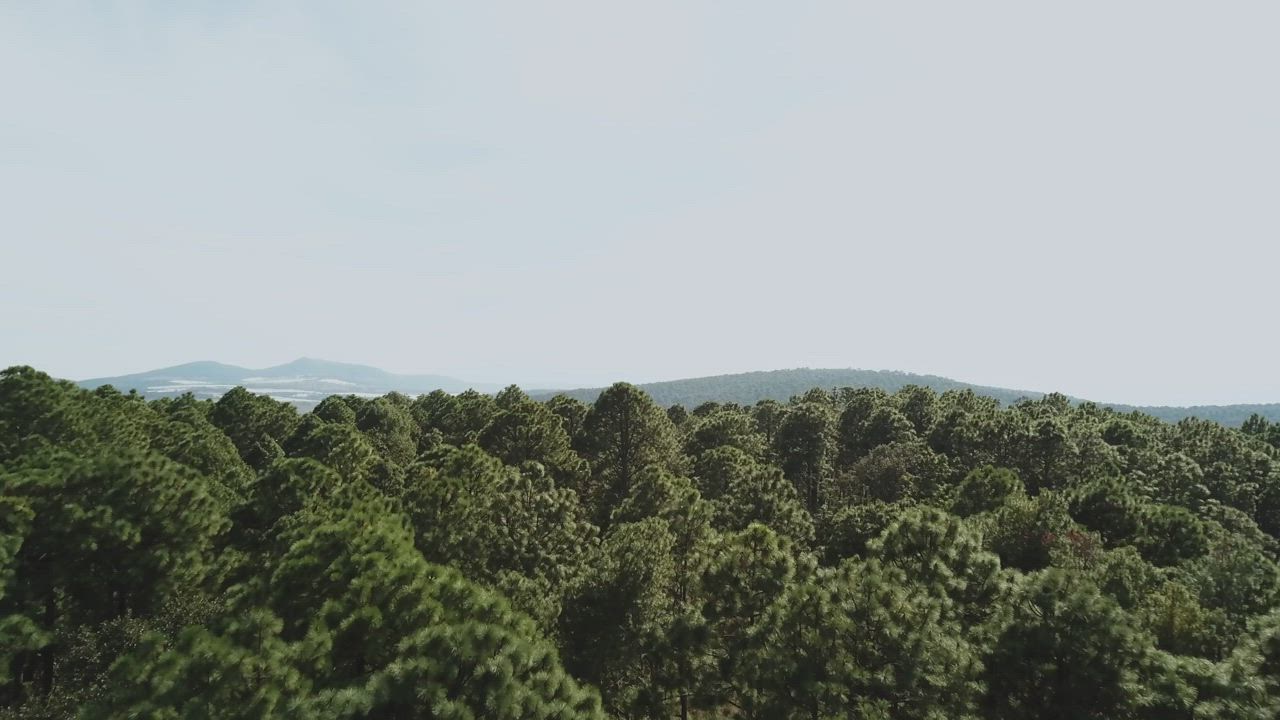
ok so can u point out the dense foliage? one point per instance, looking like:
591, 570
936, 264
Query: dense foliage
845, 554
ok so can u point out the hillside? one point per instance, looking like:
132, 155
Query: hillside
752, 387
303, 382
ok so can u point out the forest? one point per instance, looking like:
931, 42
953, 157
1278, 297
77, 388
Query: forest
850, 553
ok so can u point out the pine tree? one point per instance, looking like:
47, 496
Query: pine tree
624, 433
858, 641
256, 424
350, 621
805, 446
747, 573
1067, 652
109, 535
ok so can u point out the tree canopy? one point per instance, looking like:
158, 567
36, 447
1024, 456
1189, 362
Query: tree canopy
864, 553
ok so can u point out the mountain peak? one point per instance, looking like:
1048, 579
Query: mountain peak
304, 381
304, 362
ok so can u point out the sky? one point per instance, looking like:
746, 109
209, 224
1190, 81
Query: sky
1071, 196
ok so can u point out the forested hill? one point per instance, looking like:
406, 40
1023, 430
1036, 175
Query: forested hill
751, 387
1232, 415
781, 385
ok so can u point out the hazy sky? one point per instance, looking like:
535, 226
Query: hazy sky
1081, 196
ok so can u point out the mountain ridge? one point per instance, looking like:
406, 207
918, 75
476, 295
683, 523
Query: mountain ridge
305, 381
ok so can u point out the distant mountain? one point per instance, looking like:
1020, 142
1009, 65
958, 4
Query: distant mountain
752, 387
1229, 415
304, 382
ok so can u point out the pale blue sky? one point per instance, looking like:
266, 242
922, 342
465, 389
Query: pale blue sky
1081, 196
